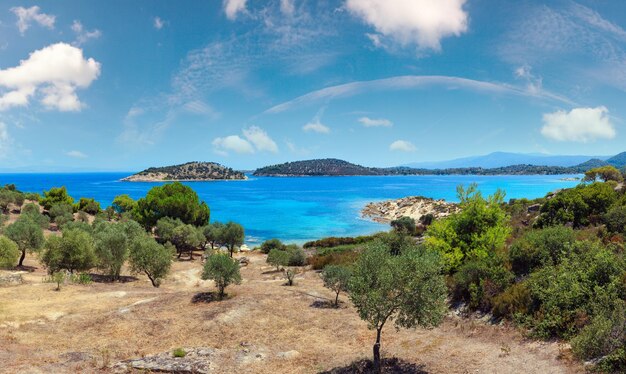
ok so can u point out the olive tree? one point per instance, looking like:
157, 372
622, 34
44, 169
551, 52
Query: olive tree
407, 288
111, 246
278, 258
27, 234
223, 270
337, 279
186, 238
73, 251
151, 258
232, 235
9, 252
212, 234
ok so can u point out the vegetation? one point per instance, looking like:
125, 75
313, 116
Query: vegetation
151, 258
111, 248
9, 252
223, 270
404, 225
270, 244
188, 171
73, 251
123, 204
337, 279
56, 195
87, 205
603, 173
27, 234
61, 213
232, 236
278, 258
407, 288
173, 200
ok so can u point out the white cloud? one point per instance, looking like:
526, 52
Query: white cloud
76, 154
411, 82
316, 127
578, 125
287, 7
82, 35
158, 23
412, 22
55, 72
234, 7
375, 122
232, 143
402, 146
27, 15
5, 140
260, 139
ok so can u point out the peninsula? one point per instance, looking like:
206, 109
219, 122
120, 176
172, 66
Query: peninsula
191, 171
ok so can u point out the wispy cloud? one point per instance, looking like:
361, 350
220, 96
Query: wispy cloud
158, 23
82, 35
375, 122
75, 154
233, 7
411, 82
402, 146
26, 16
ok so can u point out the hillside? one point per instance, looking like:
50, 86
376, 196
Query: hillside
503, 159
618, 160
318, 167
191, 171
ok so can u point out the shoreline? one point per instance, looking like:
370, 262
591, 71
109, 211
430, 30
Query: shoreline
411, 206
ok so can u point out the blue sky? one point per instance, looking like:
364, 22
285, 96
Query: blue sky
124, 85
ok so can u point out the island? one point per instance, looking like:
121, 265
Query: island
191, 171
317, 167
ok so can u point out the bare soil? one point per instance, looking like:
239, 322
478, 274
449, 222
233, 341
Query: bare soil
262, 326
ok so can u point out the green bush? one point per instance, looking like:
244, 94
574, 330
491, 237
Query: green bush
539, 248
9, 253
27, 234
270, 244
90, 206
111, 248
56, 195
514, 301
346, 258
615, 219
179, 352
278, 258
337, 279
404, 225
478, 281
123, 203
297, 257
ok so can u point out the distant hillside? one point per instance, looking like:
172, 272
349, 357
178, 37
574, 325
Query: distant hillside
618, 161
503, 159
191, 171
318, 167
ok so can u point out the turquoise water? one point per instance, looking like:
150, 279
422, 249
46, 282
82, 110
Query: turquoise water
296, 209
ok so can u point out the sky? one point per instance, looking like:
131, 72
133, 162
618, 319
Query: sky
125, 85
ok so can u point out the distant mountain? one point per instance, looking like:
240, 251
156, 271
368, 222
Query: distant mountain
618, 161
191, 171
503, 159
318, 167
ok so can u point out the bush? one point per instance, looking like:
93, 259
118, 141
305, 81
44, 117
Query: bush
90, 206
539, 248
32, 211
335, 242
404, 225
73, 251
123, 203
165, 228
9, 253
270, 244
278, 258
61, 213
151, 258
297, 257
478, 281
223, 270
290, 275
111, 249
615, 219
319, 262
179, 352
514, 301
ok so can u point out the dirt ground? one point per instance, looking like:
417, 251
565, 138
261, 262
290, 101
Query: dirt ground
263, 327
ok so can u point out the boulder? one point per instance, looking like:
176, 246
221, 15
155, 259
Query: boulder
10, 278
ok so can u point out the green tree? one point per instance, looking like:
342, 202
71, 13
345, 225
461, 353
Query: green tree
404, 225
165, 228
151, 258
27, 234
61, 213
7, 197
74, 251
278, 258
173, 200
407, 288
111, 248
270, 244
55, 195
212, 233
604, 173
223, 270
337, 279
9, 252
32, 211
478, 229
615, 219
186, 238
90, 206
232, 235
123, 204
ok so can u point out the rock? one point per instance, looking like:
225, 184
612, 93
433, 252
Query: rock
244, 261
11, 278
412, 206
534, 208
196, 360
288, 355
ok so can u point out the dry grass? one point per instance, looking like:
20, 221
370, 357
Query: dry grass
85, 328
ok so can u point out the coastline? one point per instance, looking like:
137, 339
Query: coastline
411, 206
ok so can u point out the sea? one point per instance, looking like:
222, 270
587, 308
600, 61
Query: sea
297, 209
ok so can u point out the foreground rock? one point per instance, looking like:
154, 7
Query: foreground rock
412, 206
10, 278
196, 360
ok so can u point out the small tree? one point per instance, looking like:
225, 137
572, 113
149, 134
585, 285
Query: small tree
32, 211
111, 249
73, 251
212, 233
337, 279
186, 238
278, 258
27, 234
61, 213
151, 258
54, 196
404, 225
9, 252
90, 206
123, 203
270, 244
604, 173
232, 235
290, 275
407, 288
223, 270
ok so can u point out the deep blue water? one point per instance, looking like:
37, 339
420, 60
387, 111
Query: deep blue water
295, 209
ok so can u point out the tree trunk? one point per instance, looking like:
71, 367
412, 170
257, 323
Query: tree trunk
231, 249
337, 300
22, 258
153, 281
377, 352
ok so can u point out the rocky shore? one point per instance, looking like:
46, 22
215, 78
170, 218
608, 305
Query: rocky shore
412, 206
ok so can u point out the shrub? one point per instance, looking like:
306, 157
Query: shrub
9, 253
539, 248
213, 234
270, 244
404, 225
223, 270
297, 257
232, 235
111, 248
73, 251
179, 352
165, 228
61, 213
151, 258
32, 211
59, 278
478, 281
290, 275
319, 262
123, 203
90, 206
278, 258
515, 300
337, 279
186, 238
334, 241
615, 219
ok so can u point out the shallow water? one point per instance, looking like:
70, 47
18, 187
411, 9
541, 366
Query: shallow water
296, 209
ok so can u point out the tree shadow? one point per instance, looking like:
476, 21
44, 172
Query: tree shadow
27, 268
389, 365
99, 278
205, 297
273, 271
325, 304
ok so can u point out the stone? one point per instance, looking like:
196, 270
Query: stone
196, 360
288, 355
11, 278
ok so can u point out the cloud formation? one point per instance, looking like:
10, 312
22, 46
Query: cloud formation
254, 139
402, 146
578, 125
158, 23
53, 73
233, 7
25, 16
82, 35
76, 154
375, 122
422, 23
